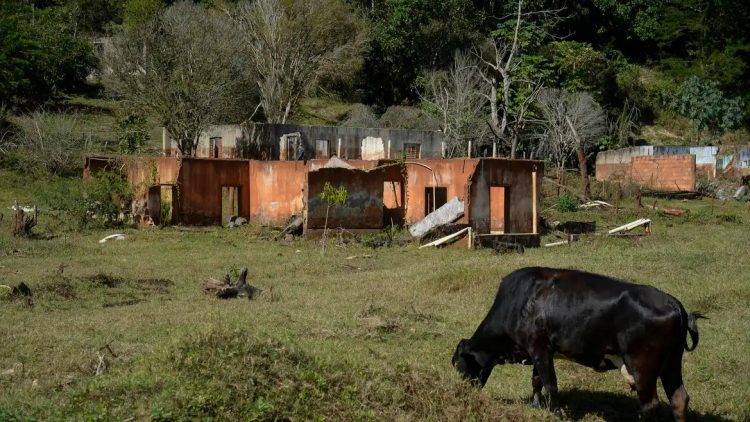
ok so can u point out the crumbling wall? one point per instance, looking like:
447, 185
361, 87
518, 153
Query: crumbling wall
200, 186
276, 190
451, 174
363, 209
517, 177
352, 148
664, 172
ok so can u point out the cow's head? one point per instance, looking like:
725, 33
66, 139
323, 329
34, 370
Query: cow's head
473, 363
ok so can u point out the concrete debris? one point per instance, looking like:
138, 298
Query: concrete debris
641, 222
294, 226
721, 195
448, 213
500, 247
117, 236
22, 208
595, 204
677, 212
741, 192
358, 256
441, 231
575, 227
235, 221
448, 238
336, 162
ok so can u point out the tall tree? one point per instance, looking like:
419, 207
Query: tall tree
572, 123
184, 67
293, 44
502, 70
455, 98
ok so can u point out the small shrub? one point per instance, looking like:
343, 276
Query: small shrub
705, 186
106, 198
567, 203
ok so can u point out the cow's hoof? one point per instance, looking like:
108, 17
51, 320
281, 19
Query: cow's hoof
536, 401
558, 413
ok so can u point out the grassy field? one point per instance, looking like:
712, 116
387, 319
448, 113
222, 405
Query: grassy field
333, 338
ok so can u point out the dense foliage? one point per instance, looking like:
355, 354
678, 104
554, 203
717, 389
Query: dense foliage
675, 63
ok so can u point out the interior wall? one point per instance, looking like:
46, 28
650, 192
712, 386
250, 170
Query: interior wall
200, 189
452, 174
516, 176
276, 190
363, 209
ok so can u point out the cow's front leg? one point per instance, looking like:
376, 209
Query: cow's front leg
544, 365
536, 385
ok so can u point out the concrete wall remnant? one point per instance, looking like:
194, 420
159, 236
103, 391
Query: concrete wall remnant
363, 209
373, 148
254, 140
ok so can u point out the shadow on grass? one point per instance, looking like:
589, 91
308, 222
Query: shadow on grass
614, 407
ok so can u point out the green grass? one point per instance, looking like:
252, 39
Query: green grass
331, 337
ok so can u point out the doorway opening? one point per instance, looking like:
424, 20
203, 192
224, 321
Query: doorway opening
230, 204
498, 209
441, 197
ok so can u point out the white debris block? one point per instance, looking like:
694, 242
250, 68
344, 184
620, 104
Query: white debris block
448, 213
117, 236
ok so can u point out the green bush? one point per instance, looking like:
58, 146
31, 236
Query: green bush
101, 202
567, 203
132, 132
707, 107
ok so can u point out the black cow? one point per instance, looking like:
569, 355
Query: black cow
597, 321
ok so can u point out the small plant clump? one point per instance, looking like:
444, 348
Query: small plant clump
567, 203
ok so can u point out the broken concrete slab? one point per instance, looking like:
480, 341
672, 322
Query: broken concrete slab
644, 222
336, 162
235, 221
448, 213
740, 193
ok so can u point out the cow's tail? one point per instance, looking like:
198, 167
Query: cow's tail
692, 329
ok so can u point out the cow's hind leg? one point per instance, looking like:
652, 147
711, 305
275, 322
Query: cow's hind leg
645, 375
671, 379
544, 365
536, 385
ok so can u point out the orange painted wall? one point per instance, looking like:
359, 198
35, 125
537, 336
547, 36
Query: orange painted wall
276, 190
201, 182
451, 174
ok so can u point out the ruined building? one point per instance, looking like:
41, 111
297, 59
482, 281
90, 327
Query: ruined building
388, 182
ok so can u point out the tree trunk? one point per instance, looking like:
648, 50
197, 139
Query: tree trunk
583, 167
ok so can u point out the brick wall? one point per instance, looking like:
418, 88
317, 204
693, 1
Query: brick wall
664, 172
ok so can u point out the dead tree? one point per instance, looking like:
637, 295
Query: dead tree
572, 124
455, 97
24, 223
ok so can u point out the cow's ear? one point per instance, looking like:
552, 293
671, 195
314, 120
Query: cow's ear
472, 354
481, 358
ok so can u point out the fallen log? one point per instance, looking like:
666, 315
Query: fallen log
226, 290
